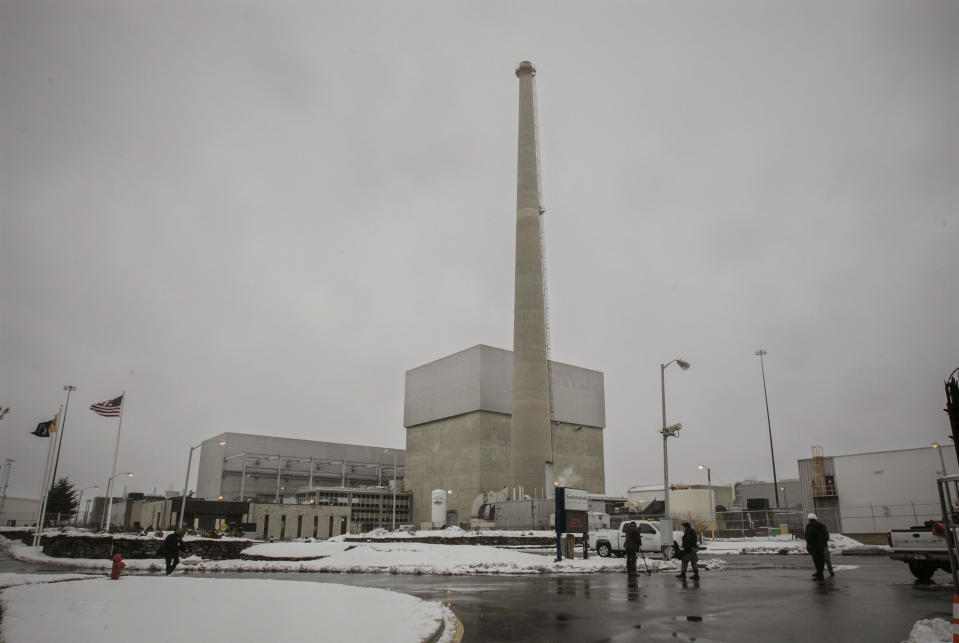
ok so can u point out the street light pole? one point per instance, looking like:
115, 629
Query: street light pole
109, 505
80, 499
186, 482
394, 486
666, 433
712, 499
772, 454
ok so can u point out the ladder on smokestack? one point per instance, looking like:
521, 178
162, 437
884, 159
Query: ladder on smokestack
542, 249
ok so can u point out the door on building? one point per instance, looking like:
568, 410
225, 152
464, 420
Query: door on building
266, 527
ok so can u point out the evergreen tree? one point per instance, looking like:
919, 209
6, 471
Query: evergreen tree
62, 499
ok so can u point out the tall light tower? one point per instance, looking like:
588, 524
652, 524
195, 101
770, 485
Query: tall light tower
668, 431
772, 453
530, 429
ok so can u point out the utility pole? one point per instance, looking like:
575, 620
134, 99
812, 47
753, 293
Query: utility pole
5, 481
772, 454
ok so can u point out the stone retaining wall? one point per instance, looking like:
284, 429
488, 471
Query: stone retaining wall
104, 546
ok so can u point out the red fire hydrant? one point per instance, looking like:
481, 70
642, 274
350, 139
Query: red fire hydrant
118, 565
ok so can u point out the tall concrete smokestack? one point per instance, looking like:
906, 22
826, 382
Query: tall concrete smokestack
530, 431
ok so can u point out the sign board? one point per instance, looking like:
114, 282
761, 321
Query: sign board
576, 499
577, 522
572, 516
572, 506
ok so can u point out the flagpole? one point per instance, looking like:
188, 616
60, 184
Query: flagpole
113, 476
44, 490
63, 425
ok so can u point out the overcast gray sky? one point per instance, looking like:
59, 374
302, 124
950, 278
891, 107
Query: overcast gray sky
256, 216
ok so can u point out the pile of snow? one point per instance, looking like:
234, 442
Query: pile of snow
449, 532
50, 532
119, 611
313, 549
838, 544
375, 557
10, 580
933, 630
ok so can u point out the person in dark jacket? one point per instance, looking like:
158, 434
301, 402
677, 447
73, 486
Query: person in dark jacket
817, 539
631, 545
688, 552
171, 549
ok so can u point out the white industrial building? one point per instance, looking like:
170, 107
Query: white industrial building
263, 468
693, 502
864, 494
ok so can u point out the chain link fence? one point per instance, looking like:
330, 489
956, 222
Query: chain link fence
758, 523
733, 524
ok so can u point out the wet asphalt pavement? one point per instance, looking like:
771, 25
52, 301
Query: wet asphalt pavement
755, 598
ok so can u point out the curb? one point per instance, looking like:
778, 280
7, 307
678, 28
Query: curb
441, 629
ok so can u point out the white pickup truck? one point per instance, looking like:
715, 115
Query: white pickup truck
922, 548
611, 542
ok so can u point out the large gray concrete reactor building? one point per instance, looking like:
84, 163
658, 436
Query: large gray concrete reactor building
491, 425
458, 413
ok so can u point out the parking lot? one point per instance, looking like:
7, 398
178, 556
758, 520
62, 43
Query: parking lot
755, 598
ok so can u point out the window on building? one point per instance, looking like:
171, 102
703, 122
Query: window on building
282, 527
329, 534
299, 526
316, 525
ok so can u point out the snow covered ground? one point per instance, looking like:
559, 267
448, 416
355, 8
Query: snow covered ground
376, 554
838, 544
373, 557
9, 580
139, 608
933, 630
754, 545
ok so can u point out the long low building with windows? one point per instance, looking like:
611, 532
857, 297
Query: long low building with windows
368, 508
263, 468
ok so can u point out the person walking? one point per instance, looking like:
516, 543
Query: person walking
631, 545
171, 549
817, 539
688, 552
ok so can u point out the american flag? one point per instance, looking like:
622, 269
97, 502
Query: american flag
110, 408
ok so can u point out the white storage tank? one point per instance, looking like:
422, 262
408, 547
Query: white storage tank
438, 503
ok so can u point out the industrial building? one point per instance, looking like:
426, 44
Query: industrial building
697, 503
19, 511
867, 494
457, 416
263, 468
751, 494
286, 521
366, 508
